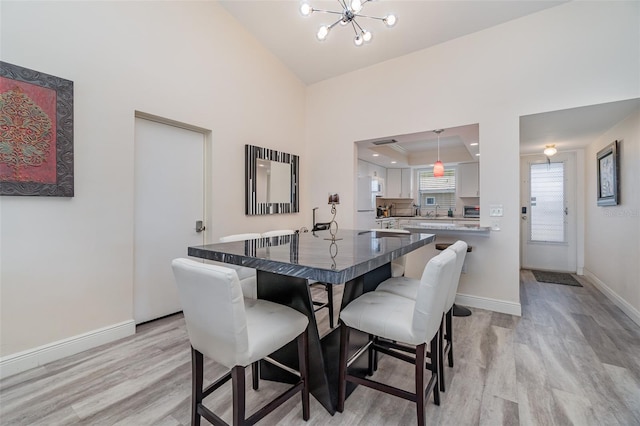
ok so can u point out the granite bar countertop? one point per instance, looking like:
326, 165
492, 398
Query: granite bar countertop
314, 255
441, 227
444, 218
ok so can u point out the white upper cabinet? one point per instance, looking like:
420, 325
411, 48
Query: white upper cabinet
406, 184
468, 180
394, 183
398, 183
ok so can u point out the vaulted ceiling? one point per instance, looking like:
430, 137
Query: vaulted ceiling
282, 29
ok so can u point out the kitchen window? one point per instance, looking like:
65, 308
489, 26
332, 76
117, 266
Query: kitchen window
440, 191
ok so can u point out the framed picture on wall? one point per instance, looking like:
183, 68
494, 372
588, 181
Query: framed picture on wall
608, 175
36, 133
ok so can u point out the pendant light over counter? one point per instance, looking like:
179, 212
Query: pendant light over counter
438, 167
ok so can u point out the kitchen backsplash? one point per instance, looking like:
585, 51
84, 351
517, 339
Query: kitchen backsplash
397, 206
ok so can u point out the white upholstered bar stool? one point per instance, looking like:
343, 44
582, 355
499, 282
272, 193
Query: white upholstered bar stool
407, 325
397, 265
247, 276
235, 331
318, 304
408, 287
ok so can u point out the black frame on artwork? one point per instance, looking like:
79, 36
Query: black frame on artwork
608, 185
63, 187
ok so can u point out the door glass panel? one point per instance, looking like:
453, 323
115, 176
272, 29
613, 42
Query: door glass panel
547, 203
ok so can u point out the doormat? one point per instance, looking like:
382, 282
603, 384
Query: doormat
555, 278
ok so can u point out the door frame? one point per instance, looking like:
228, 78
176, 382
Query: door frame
206, 184
207, 214
577, 186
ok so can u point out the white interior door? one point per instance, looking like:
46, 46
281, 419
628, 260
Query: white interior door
548, 216
169, 199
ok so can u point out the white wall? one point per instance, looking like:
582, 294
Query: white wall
577, 54
67, 264
612, 234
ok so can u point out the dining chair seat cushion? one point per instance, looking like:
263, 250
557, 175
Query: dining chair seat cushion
401, 286
383, 314
270, 326
225, 326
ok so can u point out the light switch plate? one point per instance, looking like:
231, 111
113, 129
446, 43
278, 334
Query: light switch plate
496, 210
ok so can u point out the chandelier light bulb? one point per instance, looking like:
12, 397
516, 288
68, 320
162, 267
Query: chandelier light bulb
390, 20
323, 32
306, 9
348, 16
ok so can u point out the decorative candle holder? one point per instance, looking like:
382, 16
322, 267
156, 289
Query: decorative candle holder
333, 225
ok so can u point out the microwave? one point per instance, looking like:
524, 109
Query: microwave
472, 211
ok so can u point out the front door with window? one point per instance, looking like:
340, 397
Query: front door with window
548, 219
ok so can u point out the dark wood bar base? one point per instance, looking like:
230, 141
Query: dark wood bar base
323, 353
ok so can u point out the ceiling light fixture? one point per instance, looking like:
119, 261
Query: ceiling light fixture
550, 150
348, 16
438, 167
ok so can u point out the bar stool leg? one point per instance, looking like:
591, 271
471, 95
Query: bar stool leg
255, 374
420, 388
329, 288
440, 354
237, 378
197, 370
449, 330
303, 367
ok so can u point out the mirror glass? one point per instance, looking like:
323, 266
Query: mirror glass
271, 181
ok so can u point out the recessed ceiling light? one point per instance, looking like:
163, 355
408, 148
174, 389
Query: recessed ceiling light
376, 155
393, 162
473, 143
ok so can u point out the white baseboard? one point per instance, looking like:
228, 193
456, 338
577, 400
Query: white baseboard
495, 305
624, 306
25, 360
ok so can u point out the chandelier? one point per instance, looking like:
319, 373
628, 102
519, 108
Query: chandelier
348, 15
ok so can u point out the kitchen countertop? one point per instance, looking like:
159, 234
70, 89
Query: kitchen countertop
314, 255
439, 218
452, 227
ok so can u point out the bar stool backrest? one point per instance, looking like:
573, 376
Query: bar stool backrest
277, 233
432, 294
240, 237
460, 249
213, 308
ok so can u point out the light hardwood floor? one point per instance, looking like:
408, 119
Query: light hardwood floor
572, 358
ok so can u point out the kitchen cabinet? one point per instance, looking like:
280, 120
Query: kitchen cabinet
394, 183
386, 223
406, 184
398, 183
468, 180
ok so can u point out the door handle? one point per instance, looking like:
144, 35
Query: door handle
199, 226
